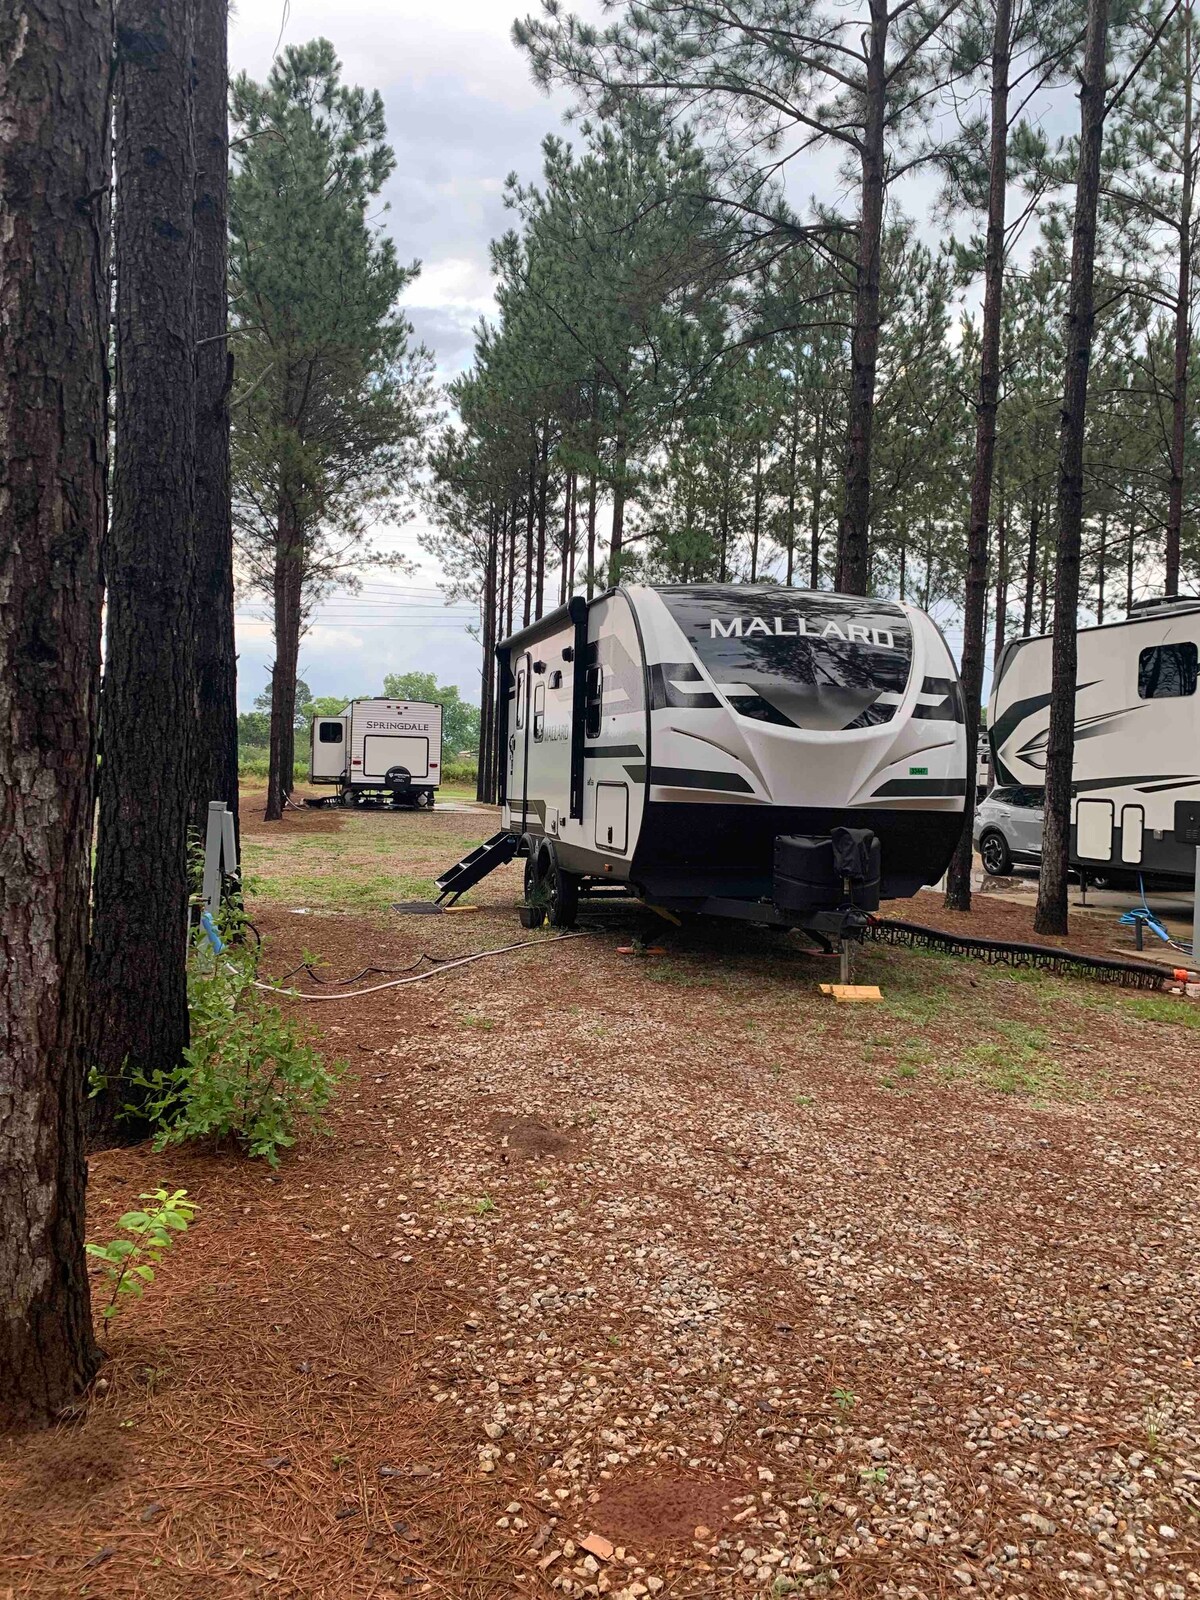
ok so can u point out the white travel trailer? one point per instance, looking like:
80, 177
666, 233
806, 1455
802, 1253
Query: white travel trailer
759, 752
1136, 776
387, 751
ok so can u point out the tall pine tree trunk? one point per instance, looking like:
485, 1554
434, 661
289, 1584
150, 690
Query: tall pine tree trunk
215, 770
756, 524
139, 1007
958, 879
487, 696
530, 519
591, 536
1101, 567
1183, 321
853, 559
1001, 579
1051, 915
542, 509
1031, 562
617, 542
55, 157
287, 599
818, 504
793, 448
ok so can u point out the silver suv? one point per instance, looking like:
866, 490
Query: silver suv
1008, 828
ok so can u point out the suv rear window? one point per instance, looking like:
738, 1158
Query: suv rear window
798, 658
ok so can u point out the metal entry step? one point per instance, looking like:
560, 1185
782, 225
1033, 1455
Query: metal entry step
495, 852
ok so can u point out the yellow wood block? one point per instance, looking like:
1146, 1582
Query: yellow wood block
458, 911
855, 992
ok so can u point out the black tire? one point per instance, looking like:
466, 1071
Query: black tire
533, 912
995, 854
349, 798
562, 890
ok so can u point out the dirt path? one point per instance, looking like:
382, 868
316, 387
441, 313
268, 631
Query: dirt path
771, 1296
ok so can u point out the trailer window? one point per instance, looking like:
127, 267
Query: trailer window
521, 698
594, 692
1167, 671
539, 712
329, 733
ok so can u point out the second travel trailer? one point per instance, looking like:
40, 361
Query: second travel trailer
379, 751
1136, 777
774, 754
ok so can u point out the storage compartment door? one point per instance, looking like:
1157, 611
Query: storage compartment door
382, 751
1094, 830
612, 816
328, 748
1133, 825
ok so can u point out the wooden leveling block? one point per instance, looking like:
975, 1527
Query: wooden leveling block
852, 993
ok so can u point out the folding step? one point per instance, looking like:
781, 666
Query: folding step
492, 853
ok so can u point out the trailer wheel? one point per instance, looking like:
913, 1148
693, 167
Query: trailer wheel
563, 903
533, 912
349, 798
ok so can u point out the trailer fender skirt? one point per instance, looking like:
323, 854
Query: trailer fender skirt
996, 952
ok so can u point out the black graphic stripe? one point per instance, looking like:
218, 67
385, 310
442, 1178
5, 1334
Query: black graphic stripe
599, 750
921, 788
692, 778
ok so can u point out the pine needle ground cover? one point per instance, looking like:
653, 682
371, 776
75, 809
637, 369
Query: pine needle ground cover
664, 1258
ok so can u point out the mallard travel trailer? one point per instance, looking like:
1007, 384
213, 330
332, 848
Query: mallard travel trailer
1137, 737
383, 751
773, 754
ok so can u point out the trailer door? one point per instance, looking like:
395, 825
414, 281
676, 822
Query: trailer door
518, 743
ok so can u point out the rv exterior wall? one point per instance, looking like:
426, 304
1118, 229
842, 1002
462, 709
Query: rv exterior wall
1137, 735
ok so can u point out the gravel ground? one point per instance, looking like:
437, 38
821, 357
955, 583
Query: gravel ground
662, 1275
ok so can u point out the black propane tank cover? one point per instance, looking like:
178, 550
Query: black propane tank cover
805, 878
857, 856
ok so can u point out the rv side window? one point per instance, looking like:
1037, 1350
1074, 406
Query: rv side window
329, 733
521, 698
594, 686
1167, 671
539, 711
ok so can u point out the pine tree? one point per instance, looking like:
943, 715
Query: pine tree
821, 75
1051, 915
139, 1007
215, 762
328, 414
55, 156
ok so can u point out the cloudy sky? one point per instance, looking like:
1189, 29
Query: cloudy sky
462, 113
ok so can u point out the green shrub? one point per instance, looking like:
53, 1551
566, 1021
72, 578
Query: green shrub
129, 1263
460, 771
249, 1074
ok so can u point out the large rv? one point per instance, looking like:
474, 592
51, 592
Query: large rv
382, 751
1137, 736
759, 752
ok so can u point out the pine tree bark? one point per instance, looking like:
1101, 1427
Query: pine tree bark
1001, 580
1183, 319
215, 769
1031, 562
287, 595
853, 557
1051, 914
55, 156
539, 603
958, 878
139, 940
